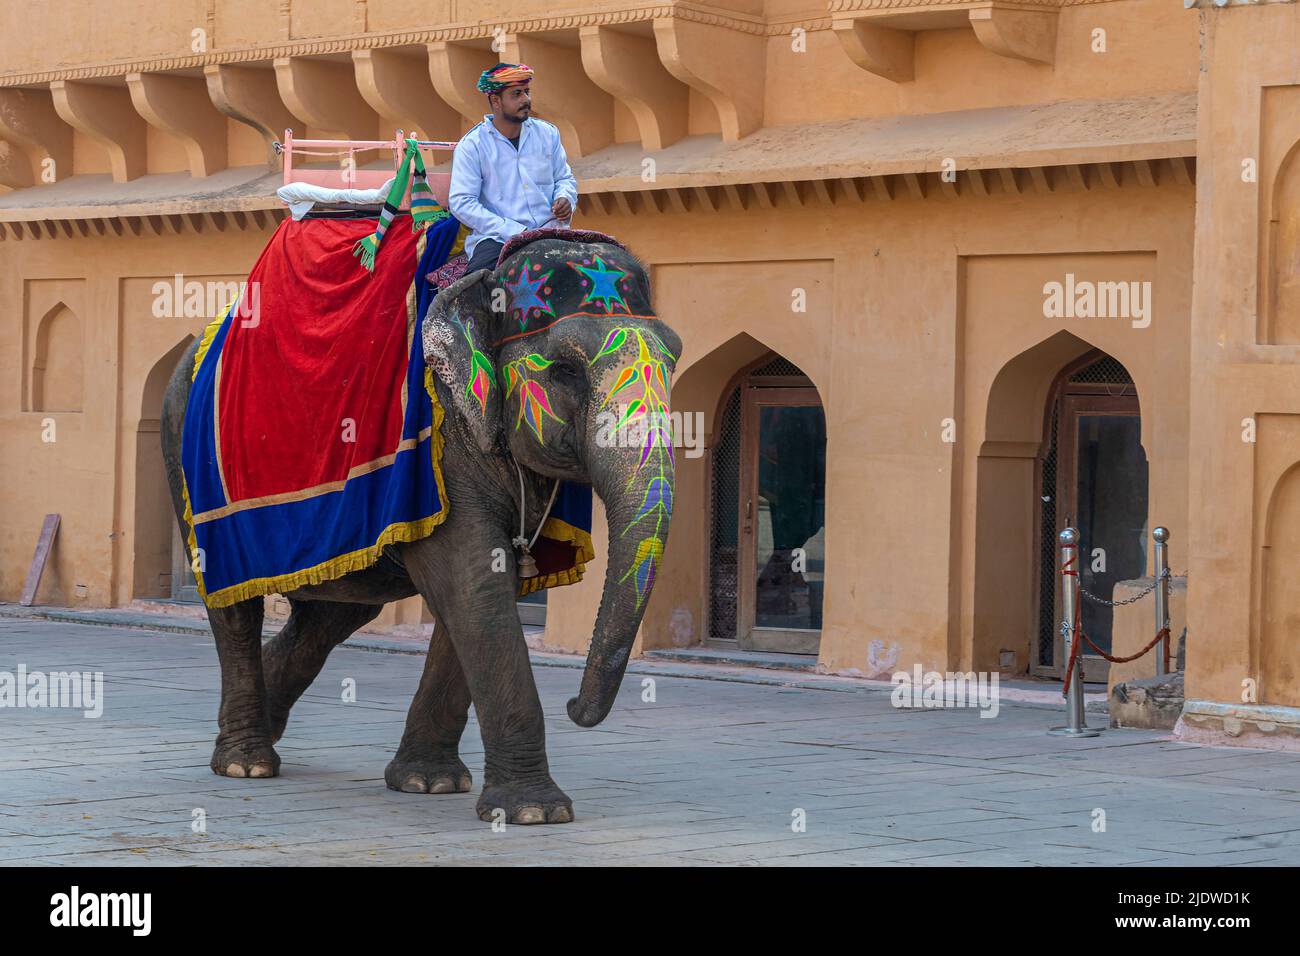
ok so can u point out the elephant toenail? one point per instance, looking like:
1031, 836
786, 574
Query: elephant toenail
414, 785
528, 815
262, 770
561, 815
235, 770
443, 785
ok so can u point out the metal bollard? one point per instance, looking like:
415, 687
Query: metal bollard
1075, 725
1161, 536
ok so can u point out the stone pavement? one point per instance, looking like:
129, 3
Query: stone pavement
711, 772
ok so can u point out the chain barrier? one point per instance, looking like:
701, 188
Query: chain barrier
1072, 624
1166, 575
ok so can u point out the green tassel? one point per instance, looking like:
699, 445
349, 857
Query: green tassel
365, 250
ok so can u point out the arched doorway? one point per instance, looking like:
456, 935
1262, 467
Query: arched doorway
1091, 475
160, 569
768, 512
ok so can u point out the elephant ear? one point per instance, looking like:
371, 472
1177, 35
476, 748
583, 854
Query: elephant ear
458, 335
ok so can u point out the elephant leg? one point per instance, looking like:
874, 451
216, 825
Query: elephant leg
428, 759
244, 746
295, 656
478, 608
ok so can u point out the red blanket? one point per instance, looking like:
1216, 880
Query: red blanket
312, 380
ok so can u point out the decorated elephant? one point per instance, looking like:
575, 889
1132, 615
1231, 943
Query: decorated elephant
542, 369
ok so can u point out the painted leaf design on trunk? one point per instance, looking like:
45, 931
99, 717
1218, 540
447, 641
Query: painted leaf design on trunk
658, 497
644, 565
641, 388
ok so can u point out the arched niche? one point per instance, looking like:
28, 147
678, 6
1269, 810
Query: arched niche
155, 520
1015, 509
703, 394
1283, 269
1279, 638
58, 365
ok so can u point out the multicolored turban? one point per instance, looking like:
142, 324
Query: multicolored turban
502, 75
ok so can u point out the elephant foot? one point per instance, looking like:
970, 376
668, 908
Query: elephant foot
525, 802
249, 758
428, 775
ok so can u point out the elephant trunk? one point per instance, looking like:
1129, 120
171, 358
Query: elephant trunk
638, 511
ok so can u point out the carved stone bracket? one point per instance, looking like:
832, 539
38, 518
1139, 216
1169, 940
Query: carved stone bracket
180, 105
727, 66
1023, 34
324, 95
881, 50
399, 88
106, 115
880, 39
29, 122
252, 97
628, 67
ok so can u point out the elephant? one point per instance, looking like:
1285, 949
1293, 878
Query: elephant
534, 388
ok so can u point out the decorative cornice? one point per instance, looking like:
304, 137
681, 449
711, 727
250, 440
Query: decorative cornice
695, 13
142, 226
904, 6
813, 194
1213, 4
786, 195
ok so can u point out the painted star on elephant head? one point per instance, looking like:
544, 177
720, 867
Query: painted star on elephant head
604, 287
524, 293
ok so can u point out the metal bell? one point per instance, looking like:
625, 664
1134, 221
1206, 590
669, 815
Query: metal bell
527, 566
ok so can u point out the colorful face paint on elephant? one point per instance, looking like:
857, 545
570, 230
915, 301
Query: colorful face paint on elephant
642, 386
526, 290
643, 389
481, 374
533, 400
600, 284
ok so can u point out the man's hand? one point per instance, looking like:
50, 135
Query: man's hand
562, 208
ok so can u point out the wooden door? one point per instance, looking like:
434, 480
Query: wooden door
782, 502
1102, 491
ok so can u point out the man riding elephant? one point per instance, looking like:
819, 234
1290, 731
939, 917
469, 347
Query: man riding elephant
509, 173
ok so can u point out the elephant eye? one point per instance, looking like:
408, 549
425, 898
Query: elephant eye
567, 372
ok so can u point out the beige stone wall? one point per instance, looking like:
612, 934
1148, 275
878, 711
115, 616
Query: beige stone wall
1243, 592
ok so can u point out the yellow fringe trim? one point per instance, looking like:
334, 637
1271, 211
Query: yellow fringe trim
205, 343
435, 440
327, 570
190, 541
559, 530
209, 333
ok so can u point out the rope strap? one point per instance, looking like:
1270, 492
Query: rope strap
1081, 638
